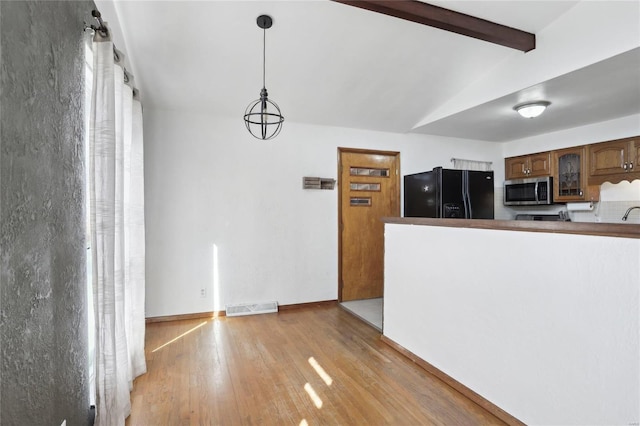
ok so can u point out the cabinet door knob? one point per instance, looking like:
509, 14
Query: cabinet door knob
624, 166
581, 192
631, 166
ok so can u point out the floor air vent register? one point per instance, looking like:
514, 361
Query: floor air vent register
251, 309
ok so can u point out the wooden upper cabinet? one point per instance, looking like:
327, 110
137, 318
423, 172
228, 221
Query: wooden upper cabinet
608, 158
515, 167
525, 166
634, 157
614, 161
570, 175
540, 164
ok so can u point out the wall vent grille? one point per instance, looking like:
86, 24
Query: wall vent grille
251, 309
317, 183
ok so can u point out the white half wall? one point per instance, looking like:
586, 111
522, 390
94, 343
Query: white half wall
226, 213
545, 326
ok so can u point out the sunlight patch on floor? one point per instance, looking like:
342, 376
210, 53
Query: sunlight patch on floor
323, 374
180, 336
313, 395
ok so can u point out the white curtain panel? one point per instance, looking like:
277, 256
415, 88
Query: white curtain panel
135, 247
117, 236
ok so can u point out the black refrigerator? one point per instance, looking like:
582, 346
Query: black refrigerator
447, 193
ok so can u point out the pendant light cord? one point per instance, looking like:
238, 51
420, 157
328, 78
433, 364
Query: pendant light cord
264, 56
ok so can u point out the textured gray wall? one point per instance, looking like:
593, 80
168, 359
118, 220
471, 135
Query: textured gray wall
43, 298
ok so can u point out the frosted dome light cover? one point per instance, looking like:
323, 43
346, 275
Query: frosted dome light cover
532, 109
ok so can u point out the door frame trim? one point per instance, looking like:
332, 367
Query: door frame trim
396, 188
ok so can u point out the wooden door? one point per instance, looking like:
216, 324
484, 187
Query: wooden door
369, 189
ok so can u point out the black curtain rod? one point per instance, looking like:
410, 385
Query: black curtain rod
101, 28
104, 31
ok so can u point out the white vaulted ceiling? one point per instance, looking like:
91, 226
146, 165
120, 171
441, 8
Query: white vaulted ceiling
336, 65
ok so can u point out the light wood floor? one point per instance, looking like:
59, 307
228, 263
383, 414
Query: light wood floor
260, 370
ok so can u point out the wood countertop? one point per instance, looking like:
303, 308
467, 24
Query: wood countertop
581, 228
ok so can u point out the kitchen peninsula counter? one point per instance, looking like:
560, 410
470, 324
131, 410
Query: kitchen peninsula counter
540, 319
582, 228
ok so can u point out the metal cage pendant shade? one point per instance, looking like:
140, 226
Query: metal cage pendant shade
263, 117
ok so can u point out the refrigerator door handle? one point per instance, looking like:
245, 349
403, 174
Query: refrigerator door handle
465, 195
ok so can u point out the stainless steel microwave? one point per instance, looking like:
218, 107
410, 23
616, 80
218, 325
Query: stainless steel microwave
528, 192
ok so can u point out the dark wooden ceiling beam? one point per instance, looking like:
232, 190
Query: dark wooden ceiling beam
449, 20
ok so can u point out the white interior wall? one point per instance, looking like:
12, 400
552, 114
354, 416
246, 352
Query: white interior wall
558, 346
599, 132
205, 179
211, 184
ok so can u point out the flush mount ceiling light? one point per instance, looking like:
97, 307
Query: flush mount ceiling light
262, 117
532, 109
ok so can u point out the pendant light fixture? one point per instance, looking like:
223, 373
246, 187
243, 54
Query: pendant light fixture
263, 117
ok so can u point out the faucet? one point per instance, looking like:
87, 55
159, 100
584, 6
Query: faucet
626, 215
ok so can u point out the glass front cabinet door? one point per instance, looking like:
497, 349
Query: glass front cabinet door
570, 177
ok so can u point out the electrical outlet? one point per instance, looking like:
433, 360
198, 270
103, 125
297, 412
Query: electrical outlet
203, 292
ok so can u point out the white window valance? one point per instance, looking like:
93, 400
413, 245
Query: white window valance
462, 164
